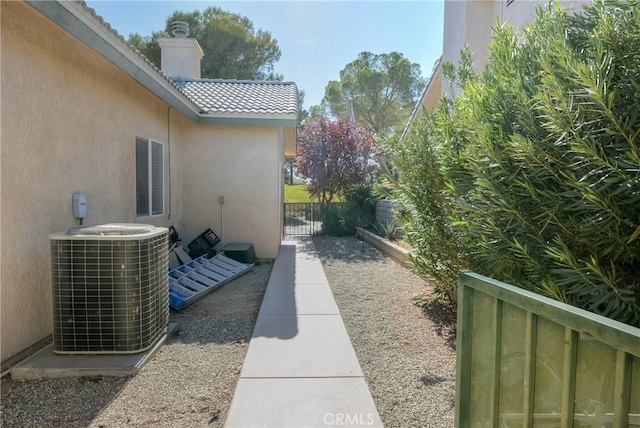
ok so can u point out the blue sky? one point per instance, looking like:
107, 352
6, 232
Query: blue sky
317, 38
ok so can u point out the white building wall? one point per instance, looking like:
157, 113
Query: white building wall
472, 21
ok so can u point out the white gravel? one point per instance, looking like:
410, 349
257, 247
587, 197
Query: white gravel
407, 356
188, 383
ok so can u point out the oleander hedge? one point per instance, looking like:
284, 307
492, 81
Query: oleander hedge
532, 174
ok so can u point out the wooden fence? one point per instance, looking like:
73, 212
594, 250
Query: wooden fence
524, 360
384, 211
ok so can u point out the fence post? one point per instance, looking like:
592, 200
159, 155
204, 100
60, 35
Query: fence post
464, 345
569, 377
497, 349
531, 337
622, 389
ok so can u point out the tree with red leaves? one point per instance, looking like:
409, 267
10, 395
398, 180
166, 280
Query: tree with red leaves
334, 156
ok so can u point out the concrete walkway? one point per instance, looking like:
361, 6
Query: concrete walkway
300, 369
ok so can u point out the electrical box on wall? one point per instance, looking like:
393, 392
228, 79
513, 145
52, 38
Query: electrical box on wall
79, 205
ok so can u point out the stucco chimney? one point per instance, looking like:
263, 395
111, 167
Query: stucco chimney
180, 56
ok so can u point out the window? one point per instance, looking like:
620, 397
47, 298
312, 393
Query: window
149, 177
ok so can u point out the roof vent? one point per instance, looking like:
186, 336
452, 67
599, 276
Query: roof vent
180, 29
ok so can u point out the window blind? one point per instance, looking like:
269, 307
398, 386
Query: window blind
142, 177
157, 183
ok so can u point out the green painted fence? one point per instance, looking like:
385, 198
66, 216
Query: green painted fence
524, 360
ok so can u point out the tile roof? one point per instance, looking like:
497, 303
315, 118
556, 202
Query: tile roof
241, 96
213, 96
84, 6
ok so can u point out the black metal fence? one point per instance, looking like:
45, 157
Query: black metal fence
298, 219
330, 218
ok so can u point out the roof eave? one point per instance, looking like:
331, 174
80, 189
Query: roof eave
98, 36
288, 120
71, 17
417, 108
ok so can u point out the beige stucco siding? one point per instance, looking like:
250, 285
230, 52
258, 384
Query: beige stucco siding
468, 22
522, 13
242, 165
69, 122
434, 92
471, 22
69, 119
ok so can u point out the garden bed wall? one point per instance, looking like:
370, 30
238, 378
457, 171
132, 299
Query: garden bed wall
394, 251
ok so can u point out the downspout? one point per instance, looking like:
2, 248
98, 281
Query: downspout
221, 202
169, 163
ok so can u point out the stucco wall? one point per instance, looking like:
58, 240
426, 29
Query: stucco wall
471, 22
468, 22
521, 12
69, 120
435, 90
241, 165
453, 37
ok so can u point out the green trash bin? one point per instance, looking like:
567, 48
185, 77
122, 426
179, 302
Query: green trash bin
240, 252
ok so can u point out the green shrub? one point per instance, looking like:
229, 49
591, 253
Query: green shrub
424, 208
387, 230
532, 175
338, 218
362, 196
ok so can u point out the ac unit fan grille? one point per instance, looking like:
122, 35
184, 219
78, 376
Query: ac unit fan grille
109, 295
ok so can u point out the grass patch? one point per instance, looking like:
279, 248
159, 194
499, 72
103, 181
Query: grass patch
296, 193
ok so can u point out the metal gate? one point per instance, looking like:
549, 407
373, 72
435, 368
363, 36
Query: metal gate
298, 219
328, 218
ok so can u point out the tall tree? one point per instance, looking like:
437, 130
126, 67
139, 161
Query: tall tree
303, 114
382, 87
290, 166
233, 49
334, 156
317, 111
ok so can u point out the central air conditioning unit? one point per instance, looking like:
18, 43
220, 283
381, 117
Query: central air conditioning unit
110, 288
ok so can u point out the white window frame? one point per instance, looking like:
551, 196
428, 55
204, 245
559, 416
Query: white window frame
150, 142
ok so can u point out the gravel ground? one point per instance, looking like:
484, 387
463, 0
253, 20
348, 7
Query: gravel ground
188, 383
406, 355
